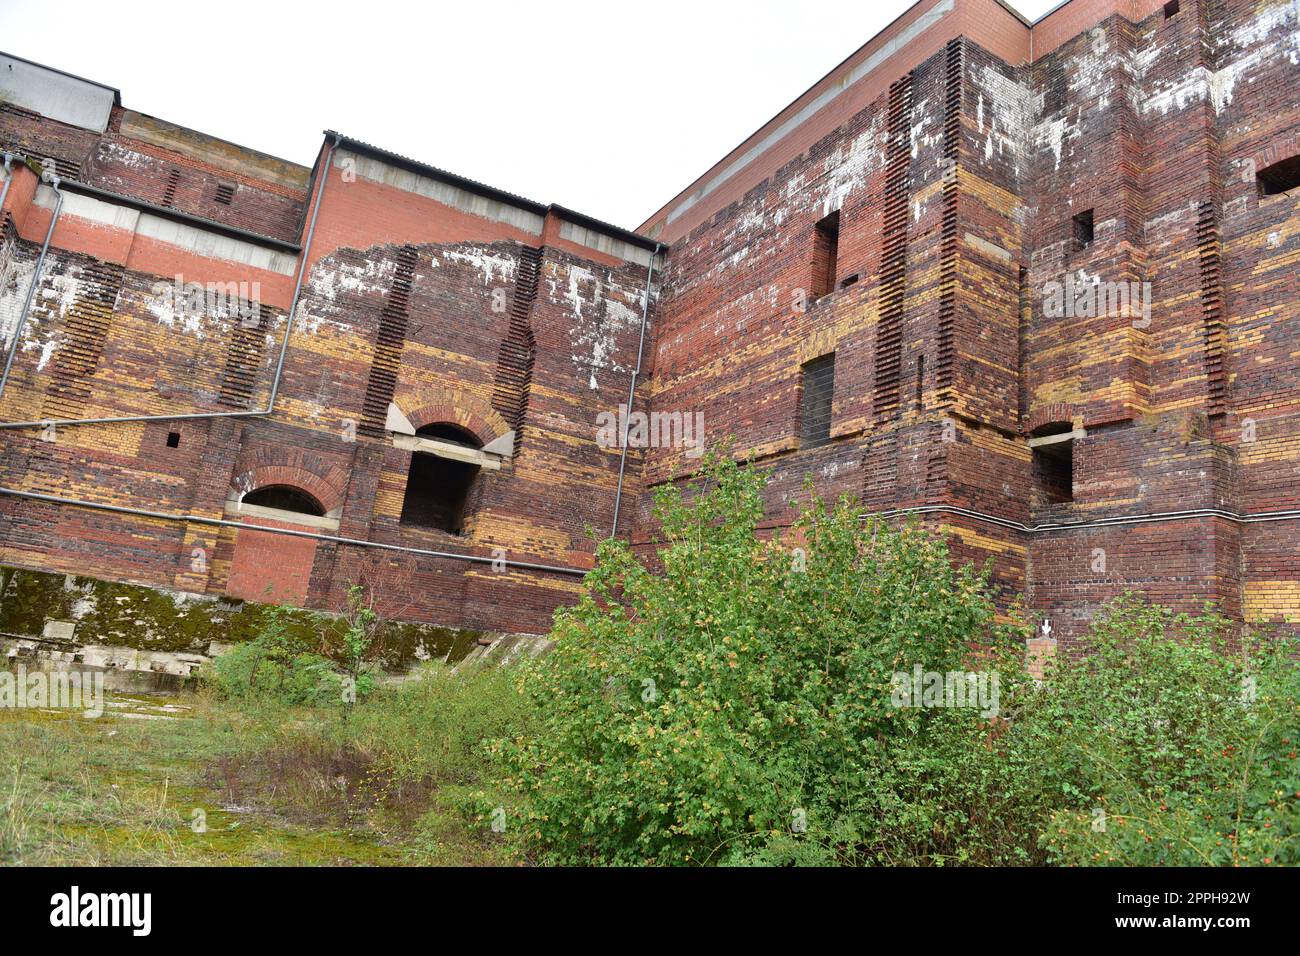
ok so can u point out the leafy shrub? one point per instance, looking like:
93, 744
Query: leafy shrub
272, 667
277, 666
736, 708
1170, 744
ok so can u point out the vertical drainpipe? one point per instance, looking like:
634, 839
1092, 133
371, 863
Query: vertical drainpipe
36, 278
302, 273
9, 177
631, 391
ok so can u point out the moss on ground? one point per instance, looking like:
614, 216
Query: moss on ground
133, 787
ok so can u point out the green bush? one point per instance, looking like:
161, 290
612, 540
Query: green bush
736, 708
1170, 744
273, 667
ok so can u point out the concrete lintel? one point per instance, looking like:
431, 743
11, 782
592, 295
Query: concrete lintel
444, 449
1055, 439
397, 421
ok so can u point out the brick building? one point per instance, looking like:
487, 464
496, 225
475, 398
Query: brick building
1036, 283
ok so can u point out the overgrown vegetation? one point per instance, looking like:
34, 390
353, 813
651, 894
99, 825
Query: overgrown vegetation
736, 708
278, 665
738, 705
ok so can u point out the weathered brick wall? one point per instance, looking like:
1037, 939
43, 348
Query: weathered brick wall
468, 322
168, 166
1156, 126
956, 168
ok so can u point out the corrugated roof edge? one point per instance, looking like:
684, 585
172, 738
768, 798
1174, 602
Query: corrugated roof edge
492, 192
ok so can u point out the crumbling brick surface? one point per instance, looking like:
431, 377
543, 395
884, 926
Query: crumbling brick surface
969, 181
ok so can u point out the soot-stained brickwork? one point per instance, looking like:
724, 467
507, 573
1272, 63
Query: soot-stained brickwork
1060, 298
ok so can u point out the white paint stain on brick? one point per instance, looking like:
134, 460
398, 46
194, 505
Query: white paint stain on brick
494, 266
603, 309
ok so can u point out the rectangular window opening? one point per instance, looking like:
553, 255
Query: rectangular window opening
826, 247
1171, 8
437, 490
1083, 230
1054, 472
173, 439
818, 392
1281, 177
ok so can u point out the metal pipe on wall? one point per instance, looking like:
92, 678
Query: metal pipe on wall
243, 526
631, 392
36, 280
284, 343
9, 178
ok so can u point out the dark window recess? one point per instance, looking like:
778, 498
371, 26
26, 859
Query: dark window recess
173, 439
1083, 230
1054, 471
849, 280
1281, 177
818, 393
1171, 8
920, 379
826, 248
225, 194
285, 498
437, 489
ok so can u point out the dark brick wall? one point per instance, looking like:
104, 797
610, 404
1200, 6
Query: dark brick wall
956, 186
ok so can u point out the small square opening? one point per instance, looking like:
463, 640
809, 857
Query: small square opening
173, 439
1171, 8
1083, 231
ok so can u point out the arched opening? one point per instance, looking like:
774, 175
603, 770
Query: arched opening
437, 488
285, 498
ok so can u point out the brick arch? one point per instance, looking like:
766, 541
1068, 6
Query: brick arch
294, 467
428, 406
1048, 414
1282, 148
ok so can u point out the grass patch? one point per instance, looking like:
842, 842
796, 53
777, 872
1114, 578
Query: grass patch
258, 782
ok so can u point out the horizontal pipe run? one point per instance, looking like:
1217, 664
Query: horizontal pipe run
1089, 523
46, 422
580, 572
333, 539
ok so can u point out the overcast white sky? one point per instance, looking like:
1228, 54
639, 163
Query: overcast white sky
610, 108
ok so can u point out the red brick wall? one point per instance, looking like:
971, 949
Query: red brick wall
271, 568
956, 167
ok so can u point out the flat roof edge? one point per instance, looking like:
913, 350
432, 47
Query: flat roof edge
117, 94
492, 192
